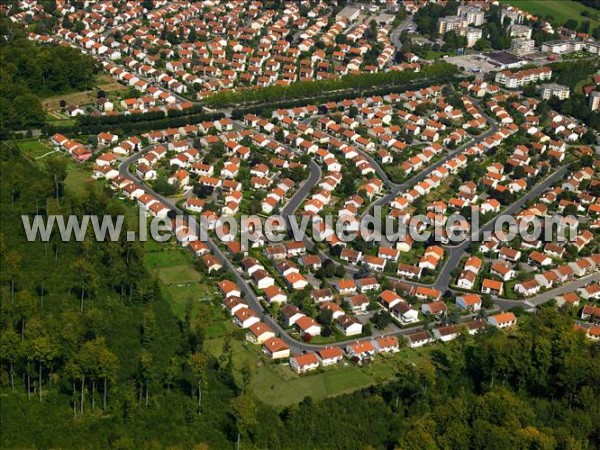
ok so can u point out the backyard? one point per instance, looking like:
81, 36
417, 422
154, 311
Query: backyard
278, 385
34, 148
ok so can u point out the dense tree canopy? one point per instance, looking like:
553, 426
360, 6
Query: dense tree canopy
30, 71
311, 90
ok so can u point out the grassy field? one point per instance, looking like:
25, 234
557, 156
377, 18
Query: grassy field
58, 119
432, 54
561, 10
277, 385
178, 278
34, 148
280, 386
78, 179
158, 259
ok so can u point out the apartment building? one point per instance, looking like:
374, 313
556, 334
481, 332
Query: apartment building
451, 23
554, 90
473, 35
523, 77
515, 16
522, 46
474, 16
560, 47
520, 31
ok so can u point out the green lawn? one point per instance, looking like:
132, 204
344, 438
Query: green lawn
561, 10
78, 176
432, 54
33, 148
60, 122
276, 384
77, 179
180, 281
215, 330
345, 379
181, 274
162, 259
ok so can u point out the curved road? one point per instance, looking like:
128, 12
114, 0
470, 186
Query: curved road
455, 253
295, 346
289, 209
400, 188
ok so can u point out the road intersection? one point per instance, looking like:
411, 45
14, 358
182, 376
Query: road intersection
443, 281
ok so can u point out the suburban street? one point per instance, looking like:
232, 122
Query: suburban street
400, 188
442, 283
455, 253
545, 297
395, 36
249, 295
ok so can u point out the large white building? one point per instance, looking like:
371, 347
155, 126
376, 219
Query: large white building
473, 35
349, 13
451, 23
520, 31
515, 16
522, 46
474, 16
560, 47
523, 77
554, 90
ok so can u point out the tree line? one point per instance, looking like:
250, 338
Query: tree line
315, 89
132, 124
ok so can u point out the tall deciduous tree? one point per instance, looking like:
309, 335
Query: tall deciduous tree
10, 352
87, 280
198, 362
244, 411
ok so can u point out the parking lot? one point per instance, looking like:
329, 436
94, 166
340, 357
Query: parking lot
471, 63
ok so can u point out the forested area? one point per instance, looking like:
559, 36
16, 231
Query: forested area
92, 356
30, 71
426, 18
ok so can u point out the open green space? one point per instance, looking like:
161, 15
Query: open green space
278, 385
179, 280
61, 122
33, 148
78, 179
561, 10
164, 259
432, 54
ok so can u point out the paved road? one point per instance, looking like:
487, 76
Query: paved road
250, 297
289, 210
551, 294
395, 36
379, 170
162, 87
442, 282
455, 253
408, 184
128, 69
